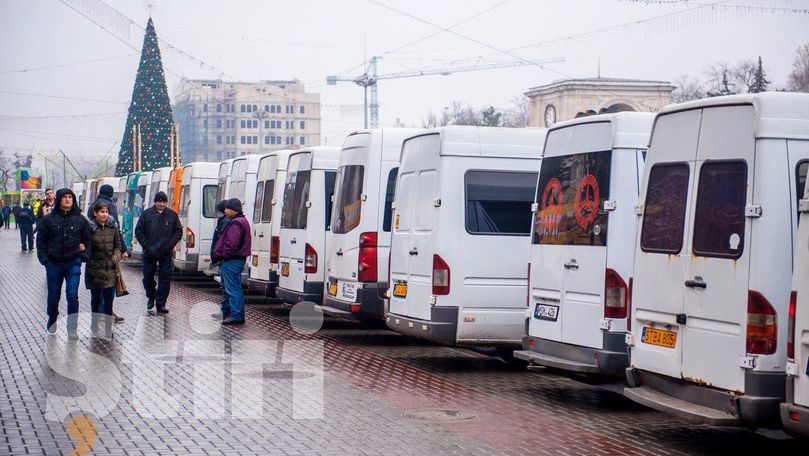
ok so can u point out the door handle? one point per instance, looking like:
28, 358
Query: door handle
571, 265
414, 251
293, 241
696, 283
339, 252
261, 235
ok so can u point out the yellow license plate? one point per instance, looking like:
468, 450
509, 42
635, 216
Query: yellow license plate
400, 290
333, 289
285, 269
659, 337
255, 260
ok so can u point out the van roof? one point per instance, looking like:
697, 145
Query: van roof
630, 130
777, 114
323, 157
252, 162
392, 138
201, 169
489, 141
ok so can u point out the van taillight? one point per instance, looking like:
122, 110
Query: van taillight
793, 303
528, 294
190, 239
310, 262
366, 263
275, 246
762, 331
614, 295
440, 276
629, 305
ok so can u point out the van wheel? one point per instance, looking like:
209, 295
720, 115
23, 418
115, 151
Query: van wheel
507, 354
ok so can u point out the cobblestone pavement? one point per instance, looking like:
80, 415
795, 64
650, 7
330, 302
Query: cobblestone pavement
180, 384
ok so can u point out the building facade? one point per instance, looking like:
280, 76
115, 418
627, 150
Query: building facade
219, 120
571, 98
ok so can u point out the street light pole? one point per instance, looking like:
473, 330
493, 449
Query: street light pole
260, 115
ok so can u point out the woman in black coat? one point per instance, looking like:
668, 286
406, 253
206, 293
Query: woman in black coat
107, 243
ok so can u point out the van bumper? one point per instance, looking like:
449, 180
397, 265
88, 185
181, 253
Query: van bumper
312, 291
758, 407
799, 427
612, 360
369, 306
189, 264
442, 327
264, 287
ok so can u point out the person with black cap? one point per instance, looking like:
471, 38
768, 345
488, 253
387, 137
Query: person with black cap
158, 231
221, 221
25, 220
232, 248
106, 195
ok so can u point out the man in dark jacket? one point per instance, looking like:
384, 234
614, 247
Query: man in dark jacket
158, 231
233, 248
7, 216
63, 242
47, 205
221, 221
25, 221
105, 195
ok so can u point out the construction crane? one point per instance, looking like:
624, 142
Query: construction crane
370, 77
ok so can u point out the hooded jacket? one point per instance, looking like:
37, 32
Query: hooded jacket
234, 240
158, 233
105, 254
61, 232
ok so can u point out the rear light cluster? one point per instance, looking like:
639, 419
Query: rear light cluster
367, 262
615, 295
793, 304
310, 261
440, 276
762, 330
190, 239
275, 246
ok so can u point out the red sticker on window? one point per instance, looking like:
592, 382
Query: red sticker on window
586, 208
551, 203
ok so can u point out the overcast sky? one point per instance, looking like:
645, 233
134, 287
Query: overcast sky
310, 39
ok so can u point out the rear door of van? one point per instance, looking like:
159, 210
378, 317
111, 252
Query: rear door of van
411, 247
262, 218
294, 218
800, 289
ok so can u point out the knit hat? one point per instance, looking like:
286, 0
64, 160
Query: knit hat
161, 196
234, 204
106, 190
220, 207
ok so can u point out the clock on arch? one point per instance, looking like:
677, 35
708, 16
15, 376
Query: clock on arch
550, 115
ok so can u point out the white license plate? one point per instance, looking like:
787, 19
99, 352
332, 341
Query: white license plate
546, 312
347, 291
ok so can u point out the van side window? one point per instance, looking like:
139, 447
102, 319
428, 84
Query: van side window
499, 202
389, 193
330, 177
570, 196
664, 208
347, 199
259, 202
719, 215
266, 207
209, 201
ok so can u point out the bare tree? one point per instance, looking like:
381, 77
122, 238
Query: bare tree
719, 80
687, 89
6, 168
744, 75
798, 80
517, 115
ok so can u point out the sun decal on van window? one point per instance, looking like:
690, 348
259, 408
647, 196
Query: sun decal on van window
586, 208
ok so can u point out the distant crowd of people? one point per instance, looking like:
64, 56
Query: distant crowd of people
65, 239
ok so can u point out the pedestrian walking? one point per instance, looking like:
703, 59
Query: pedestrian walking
25, 221
102, 270
63, 243
233, 248
106, 195
7, 215
14, 210
221, 221
158, 231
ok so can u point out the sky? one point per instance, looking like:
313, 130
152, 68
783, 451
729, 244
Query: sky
72, 80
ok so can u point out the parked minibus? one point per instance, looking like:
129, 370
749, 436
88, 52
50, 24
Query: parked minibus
713, 258
305, 218
795, 411
121, 202
197, 212
78, 190
581, 243
128, 214
175, 182
461, 224
244, 178
158, 183
90, 188
141, 204
359, 240
272, 171
224, 179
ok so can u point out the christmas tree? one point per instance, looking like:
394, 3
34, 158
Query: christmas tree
150, 110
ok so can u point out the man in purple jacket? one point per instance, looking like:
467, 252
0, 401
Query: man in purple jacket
233, 248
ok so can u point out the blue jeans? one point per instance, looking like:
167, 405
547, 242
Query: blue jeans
230, 273
70, 274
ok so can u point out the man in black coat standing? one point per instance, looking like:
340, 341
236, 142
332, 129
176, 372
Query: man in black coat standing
25, 221
158, 231
63, 243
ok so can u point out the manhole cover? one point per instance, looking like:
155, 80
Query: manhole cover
439, 415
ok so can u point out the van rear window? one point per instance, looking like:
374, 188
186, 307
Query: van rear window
209, 201
266, 206
664, 208
800, 179
390, 190
183, 208
347, 199
570, 199
499, 202
719, 217
259, 202
296, 194
329, 178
